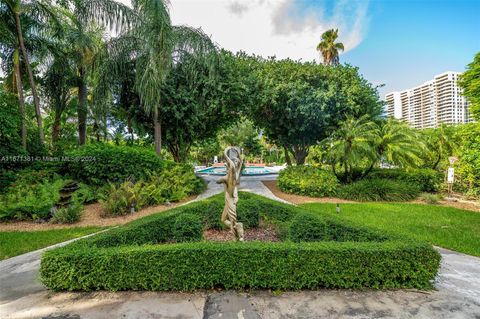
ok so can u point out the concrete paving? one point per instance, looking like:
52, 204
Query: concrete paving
457, 294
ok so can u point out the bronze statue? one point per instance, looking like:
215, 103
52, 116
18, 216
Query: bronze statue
233, 160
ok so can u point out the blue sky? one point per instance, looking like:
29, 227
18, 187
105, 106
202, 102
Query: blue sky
408, 42
397, 43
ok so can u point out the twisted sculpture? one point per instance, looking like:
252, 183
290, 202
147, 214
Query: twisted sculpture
231, 180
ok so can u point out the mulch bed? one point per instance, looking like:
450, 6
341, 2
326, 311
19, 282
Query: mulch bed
262, 233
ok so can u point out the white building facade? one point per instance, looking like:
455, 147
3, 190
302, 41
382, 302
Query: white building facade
435, 102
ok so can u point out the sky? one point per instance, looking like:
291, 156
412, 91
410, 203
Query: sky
396, 43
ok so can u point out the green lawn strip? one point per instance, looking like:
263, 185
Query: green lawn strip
19, 242
446, 227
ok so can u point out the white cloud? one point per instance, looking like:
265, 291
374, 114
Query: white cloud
273, 27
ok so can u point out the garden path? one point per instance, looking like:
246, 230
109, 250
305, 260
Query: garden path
457, 294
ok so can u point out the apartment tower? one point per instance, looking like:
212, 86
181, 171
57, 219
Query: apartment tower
430, 104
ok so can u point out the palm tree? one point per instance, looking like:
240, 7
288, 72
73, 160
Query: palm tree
154, 45
85, 40
329, 49
440, 143
398, 143
13, 60
39, 11
352, 144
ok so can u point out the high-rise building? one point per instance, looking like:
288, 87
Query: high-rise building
430, 104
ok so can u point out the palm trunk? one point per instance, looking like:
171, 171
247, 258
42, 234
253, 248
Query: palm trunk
56, 128
21, 99
36, 101
82, 107
157, 132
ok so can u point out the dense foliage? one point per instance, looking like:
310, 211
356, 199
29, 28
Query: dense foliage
123, 259
470, 82
308, 180
377, 189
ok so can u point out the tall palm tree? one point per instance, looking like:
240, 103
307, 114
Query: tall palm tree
329, 49
441, 144
36, 10
350, 145
85, 38
153, 44
13, 60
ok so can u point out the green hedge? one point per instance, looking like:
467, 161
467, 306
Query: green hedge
98, 164
130, 258
380, 190
308, 180
427, 180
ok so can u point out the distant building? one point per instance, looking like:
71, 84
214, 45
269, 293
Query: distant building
430, 104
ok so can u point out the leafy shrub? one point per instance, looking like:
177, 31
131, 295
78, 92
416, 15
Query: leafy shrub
97, 164
68, 215
430, 198
428, 180
308, 227
379, 190
307, 180
85, 194
169, 185
187, 227
26, 201
122, 199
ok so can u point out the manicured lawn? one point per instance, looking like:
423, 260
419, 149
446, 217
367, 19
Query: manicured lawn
17, 243
446, 227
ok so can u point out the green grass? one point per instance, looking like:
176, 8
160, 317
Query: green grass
447, 227
19, 242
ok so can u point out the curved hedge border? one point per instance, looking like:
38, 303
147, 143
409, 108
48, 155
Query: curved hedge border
130, 258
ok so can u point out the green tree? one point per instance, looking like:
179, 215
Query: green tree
152, 43
397, 143
302, 103
469, 157
351, 146
470, 82
329, 48
440, 143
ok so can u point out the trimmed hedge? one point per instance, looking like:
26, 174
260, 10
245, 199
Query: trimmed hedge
308, 181
380, 190
125, 259
428, 180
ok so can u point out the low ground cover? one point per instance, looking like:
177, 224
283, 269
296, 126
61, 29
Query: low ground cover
446, 227
327, 252
16, 243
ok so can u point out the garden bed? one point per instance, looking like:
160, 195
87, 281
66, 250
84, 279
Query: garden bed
159, 252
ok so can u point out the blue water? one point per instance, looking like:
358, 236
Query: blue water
249, 170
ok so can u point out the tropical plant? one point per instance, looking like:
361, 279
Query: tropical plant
154, 46
441, 143
351, 146
470, 82
329, 49
398, 144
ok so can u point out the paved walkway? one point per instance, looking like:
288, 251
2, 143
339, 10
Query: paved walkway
458, 294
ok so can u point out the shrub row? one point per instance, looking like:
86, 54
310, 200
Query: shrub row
380, 190
308, 181
427, 180
347, 256
254, 265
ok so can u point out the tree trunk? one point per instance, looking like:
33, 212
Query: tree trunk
82, 107
439, 158
157, 132
56, 128
36, 101
300, 154
21, 99
287, 156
